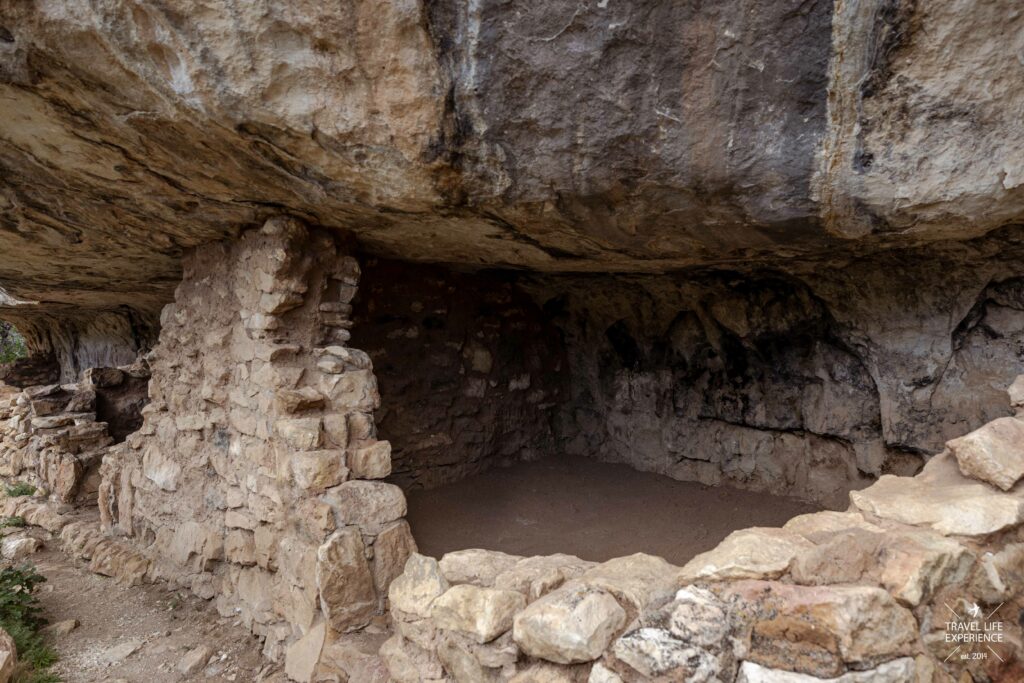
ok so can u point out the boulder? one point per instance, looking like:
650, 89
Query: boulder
302, 656
483, 613
370, 505
478, 567
941, 497
822, 630
993, 453
755, 553
656, 652
343, 578
415, 590
573, 624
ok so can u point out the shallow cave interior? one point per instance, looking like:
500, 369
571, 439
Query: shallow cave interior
535, 413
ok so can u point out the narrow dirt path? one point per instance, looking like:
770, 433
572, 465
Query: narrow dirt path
143, 634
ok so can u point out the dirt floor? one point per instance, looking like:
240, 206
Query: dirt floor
587, 508
141, 634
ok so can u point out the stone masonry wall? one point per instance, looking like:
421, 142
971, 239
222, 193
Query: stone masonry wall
471, 369
252, 479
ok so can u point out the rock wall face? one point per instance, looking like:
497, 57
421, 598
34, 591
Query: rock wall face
472, 369
253, 477
802, 381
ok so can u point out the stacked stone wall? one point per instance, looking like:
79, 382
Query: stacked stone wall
472, 370
254, 478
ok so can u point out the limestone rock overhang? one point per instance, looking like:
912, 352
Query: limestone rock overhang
643, 136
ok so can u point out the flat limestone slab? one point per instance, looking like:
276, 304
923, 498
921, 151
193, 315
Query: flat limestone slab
942, 498
993, 453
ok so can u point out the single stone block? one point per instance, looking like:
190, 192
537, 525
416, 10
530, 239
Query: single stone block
573, 624
755, 553
822, 631
318, 470
303, 655
655, 652
369, 504
415, 590
391, 550
159, 468
194, 660
942, 498
296, 400
483, 613
475, 566
371, 462
301, 433
993, 453
343, 577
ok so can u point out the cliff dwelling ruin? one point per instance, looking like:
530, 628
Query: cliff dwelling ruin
525, 342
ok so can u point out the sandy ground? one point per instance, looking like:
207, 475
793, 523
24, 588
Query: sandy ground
165, 626
591, 509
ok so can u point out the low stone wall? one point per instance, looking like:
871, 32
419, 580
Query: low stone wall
254, 477
865, 595
55, 436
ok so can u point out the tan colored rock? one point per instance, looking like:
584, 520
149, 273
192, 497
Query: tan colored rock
475, 566
391, 550
408, 663
301, 433
415, 590
343, 577
1016, 393
17, 549
602, 674
8, 656
483, 613
545, 673
318, 470
62, 628
942, 498
636, 580
194, 660
911, 566
575, 623
999, 575
818, 525
297, 400
371, 462
369, 504
302, 656
535, 577
901, 670
755, 553
698, 617
993, 453
160, 468
822, 630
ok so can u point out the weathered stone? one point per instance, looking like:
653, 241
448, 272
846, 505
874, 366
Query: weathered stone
391, 550
573, 624
484, 613
602, 674
897, 671
301, 433
479, 567
825, 523
17, 549
62, 628
371, 462
942, 498
698, 617
756, 553
911, 566
822, 630
194, 660
993, 453
656, 652
317, 470
369, 504
103, 377
636, 580
408, 663
415, 590
1000, 575
343, 577
161, 468
535, 577
303, 655
297, 400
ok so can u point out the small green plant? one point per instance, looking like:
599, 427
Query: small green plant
14, 521
21, 616
20, 489
12, 344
